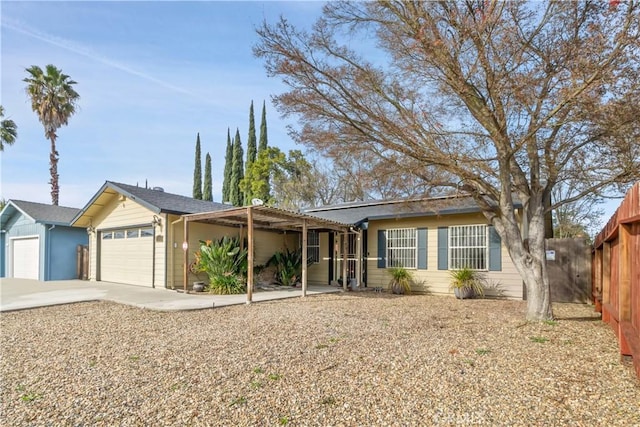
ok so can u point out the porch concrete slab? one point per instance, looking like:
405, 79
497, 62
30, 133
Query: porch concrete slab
19, 294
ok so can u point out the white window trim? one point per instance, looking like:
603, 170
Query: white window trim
414, 248
486, 246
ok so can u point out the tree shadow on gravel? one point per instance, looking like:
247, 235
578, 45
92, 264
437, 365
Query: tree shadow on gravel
579, 319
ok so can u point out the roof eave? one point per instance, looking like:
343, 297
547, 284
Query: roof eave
136, 199
109, 184
10, 203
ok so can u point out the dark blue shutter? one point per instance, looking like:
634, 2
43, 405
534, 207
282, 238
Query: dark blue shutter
422, 248
382, 249
443, 248
495, 250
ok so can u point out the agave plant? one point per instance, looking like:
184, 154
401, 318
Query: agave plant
225, 264
288, 266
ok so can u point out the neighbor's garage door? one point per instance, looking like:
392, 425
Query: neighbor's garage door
26, 258
126, 256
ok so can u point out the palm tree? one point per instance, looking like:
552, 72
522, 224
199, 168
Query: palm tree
54, 100
8, 129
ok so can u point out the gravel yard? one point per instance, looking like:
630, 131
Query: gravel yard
342, 359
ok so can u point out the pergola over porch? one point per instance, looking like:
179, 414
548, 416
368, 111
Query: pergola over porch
271, 219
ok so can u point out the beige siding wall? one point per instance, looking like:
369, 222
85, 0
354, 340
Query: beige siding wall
125, 213
434, 280
266, 244
93, 256
318, 274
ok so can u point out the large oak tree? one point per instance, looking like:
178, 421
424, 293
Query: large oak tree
500, 100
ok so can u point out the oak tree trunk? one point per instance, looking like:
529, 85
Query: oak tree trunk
527, 249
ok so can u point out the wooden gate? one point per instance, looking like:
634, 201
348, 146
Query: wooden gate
82, 262
569, 269
616, 275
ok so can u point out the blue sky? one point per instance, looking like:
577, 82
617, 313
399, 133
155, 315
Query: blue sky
150, 76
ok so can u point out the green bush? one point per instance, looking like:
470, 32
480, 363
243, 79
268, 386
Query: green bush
225, 264
401, 279
288, 266
466, 278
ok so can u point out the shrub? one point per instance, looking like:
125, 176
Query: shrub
466, 278
225, 264
401, 279
288, 266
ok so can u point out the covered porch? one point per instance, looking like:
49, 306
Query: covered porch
248, 219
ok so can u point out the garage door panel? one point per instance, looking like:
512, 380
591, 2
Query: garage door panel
127, 260
26, 258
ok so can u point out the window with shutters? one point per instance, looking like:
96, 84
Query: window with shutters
468, 247
402, 247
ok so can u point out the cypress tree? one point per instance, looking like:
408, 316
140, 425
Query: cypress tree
197, 172
251, 140
251, 151
207, 190
263, 130
237, 172
263, 174
228, 160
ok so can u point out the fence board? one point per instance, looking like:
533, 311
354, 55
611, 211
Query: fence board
616, 274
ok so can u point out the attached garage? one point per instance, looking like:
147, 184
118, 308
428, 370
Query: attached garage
126, 256
25, 256
128, 228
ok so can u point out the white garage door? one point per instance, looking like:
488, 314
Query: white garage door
26, 258
126, 256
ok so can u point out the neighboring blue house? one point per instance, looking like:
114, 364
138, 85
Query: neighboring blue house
38, 241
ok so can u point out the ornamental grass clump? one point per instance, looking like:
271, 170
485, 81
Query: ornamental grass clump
467, 282
225, 263
401, 279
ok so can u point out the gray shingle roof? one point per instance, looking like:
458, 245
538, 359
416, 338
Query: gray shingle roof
359, 212
167, 202
46, 214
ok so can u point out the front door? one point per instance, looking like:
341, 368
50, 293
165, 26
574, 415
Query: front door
336, 262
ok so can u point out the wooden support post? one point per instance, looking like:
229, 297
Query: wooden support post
304, 257
345, 247
597, 279
359, 258
624, 273
606, 280
249, 254
624, 286
185, 255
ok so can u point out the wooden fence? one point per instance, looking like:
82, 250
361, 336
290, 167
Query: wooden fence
616, 275
569, 270
82, 262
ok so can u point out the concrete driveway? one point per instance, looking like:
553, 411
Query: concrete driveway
19, 294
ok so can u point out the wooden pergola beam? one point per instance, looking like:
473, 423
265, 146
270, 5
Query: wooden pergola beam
267, 218
250, 255
304, 258
185, 255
